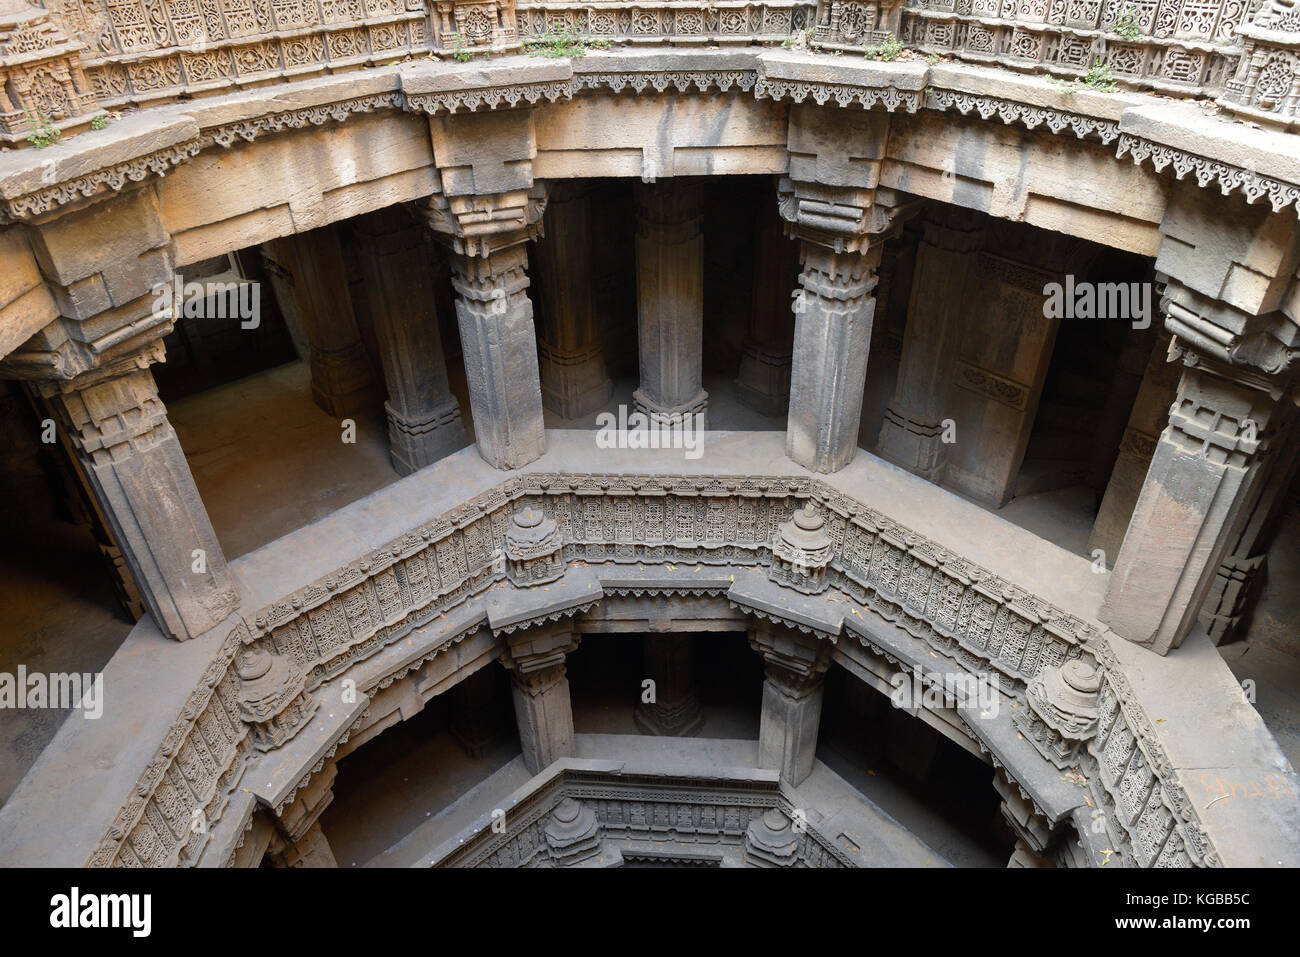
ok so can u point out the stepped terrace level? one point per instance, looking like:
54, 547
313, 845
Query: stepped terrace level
525, 434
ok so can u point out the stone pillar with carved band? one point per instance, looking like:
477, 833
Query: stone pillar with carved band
763, 382
108, 270
574, 381
795, 666
486, 209
669, 663
912, 433
831, 201
424, 421
535, 658
138, 472
1200, 478
833, 309
670, 299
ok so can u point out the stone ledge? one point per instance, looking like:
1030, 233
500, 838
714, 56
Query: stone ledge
70, 797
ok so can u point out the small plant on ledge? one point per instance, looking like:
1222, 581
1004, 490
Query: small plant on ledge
99, 122
459, 51
888, 49
1098, 78
1127, 25
556, 45
803, 40
44, 133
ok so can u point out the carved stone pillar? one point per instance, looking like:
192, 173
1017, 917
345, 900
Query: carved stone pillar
574, 380
139, 475
795, 666
1237, 580
499, 342
1146, 421
535, 658
1200, 475
342, 380
670, 299
669, 663
763, 382
424, 421
1003, 343
912, 432
833, 314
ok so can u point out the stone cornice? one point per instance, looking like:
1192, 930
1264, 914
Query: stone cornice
1259, 164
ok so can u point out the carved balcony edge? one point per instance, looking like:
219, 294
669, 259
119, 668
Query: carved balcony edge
950, 606
34, 184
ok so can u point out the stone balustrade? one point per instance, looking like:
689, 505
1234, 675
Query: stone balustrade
631, 813
63, 66
424, 599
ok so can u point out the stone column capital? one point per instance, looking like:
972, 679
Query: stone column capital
795, 662
844, 219
1259, 351
481, 226
538, 654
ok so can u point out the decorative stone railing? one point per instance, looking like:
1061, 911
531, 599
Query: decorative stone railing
962, 610
596, 811
67, 64
675, 22
79, 58
1175, 46
421, 597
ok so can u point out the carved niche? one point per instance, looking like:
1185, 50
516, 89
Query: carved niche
41, 80
1266, 86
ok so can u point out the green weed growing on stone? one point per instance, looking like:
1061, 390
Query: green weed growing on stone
1127, 25
459, 52
1098, 78
44, 133
99, 122
888, 49
556, 45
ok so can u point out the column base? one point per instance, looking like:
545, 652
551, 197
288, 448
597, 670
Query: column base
342, 383
660, 416
574, 384
764, 380
417, 441
916, 446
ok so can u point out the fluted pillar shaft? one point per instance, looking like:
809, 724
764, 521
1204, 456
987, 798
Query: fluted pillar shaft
763, 382
1196, 487
574, 380
342, 381
424, 422
670, 298
669, 663
833, 312
912, 434
499, 343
